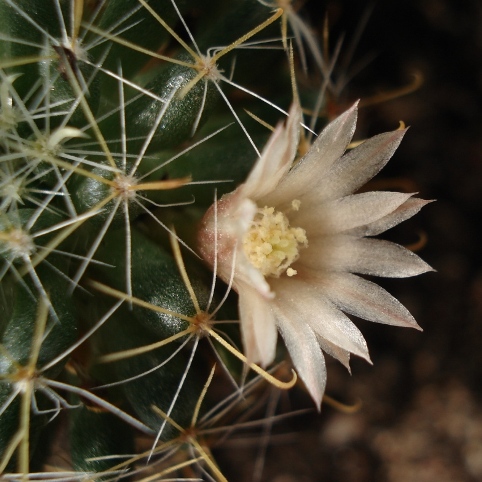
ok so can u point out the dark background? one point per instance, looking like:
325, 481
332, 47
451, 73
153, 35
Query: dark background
421, 413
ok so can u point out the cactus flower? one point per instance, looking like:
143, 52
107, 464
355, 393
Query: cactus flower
294, 238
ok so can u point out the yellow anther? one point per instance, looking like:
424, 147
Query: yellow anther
271, 244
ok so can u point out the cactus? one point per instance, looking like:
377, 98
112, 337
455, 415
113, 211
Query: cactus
121, 122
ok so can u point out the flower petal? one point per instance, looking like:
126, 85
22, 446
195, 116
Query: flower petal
305, 353
307, 306
348, 212
367, 300
327, 148
329, 145
362, 255
276, 158
356, 167
258, 327
343, 356
304, 300
408, 209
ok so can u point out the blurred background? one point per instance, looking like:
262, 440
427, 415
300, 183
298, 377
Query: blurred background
421, 413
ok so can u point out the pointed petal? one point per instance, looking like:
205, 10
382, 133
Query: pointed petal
327, 148
366, 300
357, 167
405, 211
258, 327
329, 145
338, 329
276, 158
336, 352
306, 355
383, 258
308, 306
361, 255
348, 212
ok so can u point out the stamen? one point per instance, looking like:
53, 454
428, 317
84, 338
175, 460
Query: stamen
295, 204
271, 245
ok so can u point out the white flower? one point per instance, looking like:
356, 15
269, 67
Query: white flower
297, 234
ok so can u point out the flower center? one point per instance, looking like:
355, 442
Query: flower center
271, 245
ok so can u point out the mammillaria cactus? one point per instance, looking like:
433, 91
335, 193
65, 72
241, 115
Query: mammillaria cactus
121, 122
